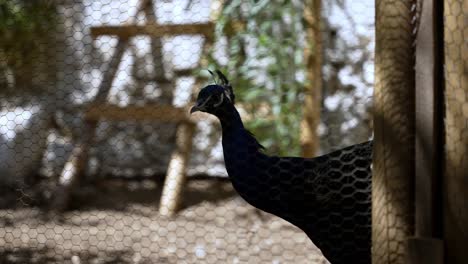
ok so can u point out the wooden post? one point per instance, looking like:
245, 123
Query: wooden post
176, 171
455, 180
426, 121
175, 177
313, 55
393, 154
425, 247
69, 177
158, 61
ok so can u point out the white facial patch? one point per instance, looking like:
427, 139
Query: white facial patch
205, 102
221, 100
227, 95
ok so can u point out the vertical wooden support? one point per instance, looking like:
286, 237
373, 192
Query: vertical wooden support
69, 177
393, 155
176, 171
455, 180
425, 247
426, 130
76, 163
313, 58
158, 60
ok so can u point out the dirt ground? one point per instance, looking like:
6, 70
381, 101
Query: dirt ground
118, 222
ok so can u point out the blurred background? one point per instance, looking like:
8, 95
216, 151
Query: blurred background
94, 123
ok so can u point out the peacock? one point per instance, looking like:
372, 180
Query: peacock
328, 197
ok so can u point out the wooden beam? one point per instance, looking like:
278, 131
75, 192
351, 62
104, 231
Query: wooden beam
425, 247
127, 31
176, 171
427, 125
393, 153
111, 68
185, 72
455, 147
159, 66
137, 113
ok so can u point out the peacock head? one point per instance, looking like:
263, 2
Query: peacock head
216, 97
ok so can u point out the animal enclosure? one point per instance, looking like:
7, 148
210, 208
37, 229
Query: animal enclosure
101, 161
106, 126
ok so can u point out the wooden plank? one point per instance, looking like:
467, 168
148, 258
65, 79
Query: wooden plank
176, 171
137, 113
184, 72
111, 69
427, 125
455, 145
393, 152
127, 31
159, 68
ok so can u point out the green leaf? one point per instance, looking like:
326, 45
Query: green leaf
265, 71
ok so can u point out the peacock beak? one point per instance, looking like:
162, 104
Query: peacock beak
199, 106
194, 109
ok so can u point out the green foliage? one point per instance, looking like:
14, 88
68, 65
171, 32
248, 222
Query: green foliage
264, 59
24, 28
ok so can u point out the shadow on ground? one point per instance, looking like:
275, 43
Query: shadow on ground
115, 221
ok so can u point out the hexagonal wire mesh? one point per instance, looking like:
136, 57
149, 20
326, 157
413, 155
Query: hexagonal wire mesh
456, 125
92, 103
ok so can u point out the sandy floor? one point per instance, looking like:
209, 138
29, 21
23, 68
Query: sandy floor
118, 223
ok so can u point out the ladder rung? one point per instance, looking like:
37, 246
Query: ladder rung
185, 72
127, 31
137, 113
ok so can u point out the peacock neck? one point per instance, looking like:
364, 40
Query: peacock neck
235, 137
238, 143
230, 119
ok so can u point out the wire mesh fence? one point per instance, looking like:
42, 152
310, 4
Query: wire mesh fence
100, 160
456, 111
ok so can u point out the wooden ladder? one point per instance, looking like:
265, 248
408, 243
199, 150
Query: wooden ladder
99, 109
